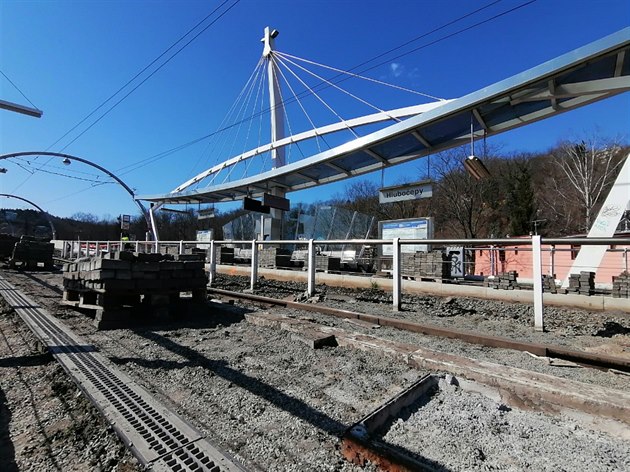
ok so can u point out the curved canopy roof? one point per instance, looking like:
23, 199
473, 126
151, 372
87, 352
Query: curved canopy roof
588, 74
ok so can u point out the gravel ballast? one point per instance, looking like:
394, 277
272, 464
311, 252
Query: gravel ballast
277, 404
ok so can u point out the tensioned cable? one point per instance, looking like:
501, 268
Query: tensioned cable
365, 102
357, 76
32, 170
78, 191
280, 60
254, 106
181, 38
242, 112
317, 137
227, 116
18, 89
67, 169
156, 157
262, 104
147, 78
153, 73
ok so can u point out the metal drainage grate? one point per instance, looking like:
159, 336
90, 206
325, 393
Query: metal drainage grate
161, 440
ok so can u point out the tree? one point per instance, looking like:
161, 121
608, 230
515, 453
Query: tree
520, 205
588, 169
464, 206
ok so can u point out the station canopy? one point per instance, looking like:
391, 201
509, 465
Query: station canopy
588, 74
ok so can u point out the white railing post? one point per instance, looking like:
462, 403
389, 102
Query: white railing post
109, 246
213, 263
625, 258
552, 259
79, 251
254, 277
137, 246
181, 247
396, 273
156, 247
97, 249
311, 268
538, 287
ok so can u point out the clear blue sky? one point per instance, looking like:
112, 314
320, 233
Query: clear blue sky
67, 57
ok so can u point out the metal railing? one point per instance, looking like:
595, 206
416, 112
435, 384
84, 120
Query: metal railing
534, 245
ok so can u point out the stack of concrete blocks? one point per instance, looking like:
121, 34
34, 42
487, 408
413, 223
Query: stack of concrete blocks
30, 251
504, 281
621, 285
112, 283
325, 263
549, 284
582, 283
273, 257
431, 265
7, 243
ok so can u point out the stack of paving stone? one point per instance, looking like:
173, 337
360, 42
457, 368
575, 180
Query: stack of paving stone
115, 282
434, 265
136, 272
621, 285
274, 257
7, 243
408, 264
504, 281
224, 255
549, 284
325, 263
582, 283
30, 251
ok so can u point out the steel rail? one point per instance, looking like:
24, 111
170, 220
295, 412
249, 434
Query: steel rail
545, 350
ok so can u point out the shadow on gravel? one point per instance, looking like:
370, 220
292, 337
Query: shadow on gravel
43, 282
612, 328
7, 451
281, 400
26, 361
211, 315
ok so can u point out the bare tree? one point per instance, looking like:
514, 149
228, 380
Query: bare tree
587, 171
461, 204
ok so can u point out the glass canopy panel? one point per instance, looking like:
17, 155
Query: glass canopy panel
450, 128
401, 146
356, 160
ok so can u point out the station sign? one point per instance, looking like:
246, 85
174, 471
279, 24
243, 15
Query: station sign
252, 204
125, 221
205, 214
274, 201
399, 193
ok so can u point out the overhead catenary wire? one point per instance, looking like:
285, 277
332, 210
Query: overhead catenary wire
18, 89
235, 2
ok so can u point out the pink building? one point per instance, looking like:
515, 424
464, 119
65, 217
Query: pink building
556, 260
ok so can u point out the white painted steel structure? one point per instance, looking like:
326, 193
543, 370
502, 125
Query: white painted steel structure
535, 243
585, 75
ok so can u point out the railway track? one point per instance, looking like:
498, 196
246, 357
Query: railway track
159, 438
545, 350
193, 363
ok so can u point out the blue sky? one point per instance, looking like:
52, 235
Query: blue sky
67, 57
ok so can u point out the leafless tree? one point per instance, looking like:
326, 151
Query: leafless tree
587, 170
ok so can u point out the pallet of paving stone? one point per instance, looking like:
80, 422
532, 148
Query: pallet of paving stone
7, 244
549, 284
30, 251
621, 285
325, 263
